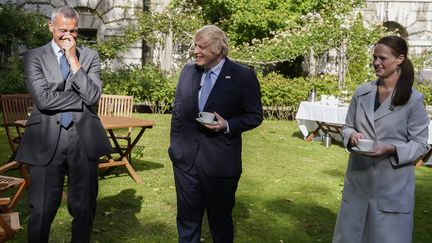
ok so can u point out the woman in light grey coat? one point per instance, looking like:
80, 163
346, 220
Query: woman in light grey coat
378, 197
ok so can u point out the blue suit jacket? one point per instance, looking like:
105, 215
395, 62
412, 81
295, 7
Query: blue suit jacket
236, 97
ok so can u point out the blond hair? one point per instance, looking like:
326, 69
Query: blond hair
216, 37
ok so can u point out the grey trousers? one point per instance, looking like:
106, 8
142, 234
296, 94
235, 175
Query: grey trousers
46, 187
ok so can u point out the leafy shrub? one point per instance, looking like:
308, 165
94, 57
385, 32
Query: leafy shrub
281, 96
147, 84
162, 95
426, 89
12, 80
20, 29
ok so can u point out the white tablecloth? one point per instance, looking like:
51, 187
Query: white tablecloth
430, 133
310, 112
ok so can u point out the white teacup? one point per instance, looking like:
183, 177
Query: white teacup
332, 100
324, 99
207, 117
365, 144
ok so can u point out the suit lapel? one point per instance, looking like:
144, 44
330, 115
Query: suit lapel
79, 56
366, 100
195, 85
221, 82
51, 60
386, 108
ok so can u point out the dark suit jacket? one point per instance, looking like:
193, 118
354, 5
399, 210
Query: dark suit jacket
236, 97
51, 96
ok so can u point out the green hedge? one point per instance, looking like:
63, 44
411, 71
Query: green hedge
282, 96
426, 89
12, 80
147, 84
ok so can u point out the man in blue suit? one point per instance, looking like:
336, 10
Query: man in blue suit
207, 157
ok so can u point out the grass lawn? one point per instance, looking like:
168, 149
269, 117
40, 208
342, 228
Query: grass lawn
290, 191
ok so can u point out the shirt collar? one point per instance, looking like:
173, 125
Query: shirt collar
56, 49
217, 69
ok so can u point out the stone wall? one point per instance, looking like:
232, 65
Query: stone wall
414, 17
108, 17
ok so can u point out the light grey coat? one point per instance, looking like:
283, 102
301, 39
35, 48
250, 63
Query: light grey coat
385, 184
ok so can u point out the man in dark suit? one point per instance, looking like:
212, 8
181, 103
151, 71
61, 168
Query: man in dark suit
63, 135
207, 157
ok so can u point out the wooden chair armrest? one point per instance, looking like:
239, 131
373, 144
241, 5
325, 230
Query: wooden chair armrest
9, 166
9, 224
4, 201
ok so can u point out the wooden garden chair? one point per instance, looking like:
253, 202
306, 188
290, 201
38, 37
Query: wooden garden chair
9, 220
117, 105
9, 223
10, 183
15, 107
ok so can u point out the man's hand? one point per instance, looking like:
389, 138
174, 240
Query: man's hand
220, 126
69, 48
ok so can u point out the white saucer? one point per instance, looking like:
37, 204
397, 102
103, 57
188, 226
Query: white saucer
359, 151
203, 122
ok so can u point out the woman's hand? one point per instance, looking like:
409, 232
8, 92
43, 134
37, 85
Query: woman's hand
381, 149
354, 137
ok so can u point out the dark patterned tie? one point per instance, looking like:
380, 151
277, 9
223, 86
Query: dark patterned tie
205, 91
66, 117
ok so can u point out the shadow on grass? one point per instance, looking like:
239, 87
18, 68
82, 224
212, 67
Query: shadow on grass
337, 143
116, 219
335, 173
423, 206
285, 221
317, 138
138, 151
140, 165
297, 135
137, 165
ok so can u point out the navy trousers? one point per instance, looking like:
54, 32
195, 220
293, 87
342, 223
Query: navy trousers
196, 193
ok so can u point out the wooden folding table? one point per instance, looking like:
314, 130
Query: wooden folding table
316, 117
111, 123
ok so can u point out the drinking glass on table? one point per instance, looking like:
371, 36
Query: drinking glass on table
29, 110
429, 111
110, 109
324, 99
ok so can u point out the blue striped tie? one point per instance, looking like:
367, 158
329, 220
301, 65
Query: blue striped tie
205, 91
66, 117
